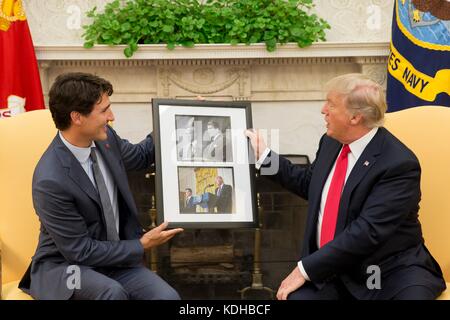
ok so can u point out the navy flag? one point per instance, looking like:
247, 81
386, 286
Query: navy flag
419, 62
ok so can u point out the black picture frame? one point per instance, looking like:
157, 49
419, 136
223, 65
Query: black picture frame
197, 142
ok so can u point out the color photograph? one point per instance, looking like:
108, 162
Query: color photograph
206, 190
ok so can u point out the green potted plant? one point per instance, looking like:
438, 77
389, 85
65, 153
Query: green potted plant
189, 22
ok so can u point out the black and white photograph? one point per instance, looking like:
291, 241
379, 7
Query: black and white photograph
203, 138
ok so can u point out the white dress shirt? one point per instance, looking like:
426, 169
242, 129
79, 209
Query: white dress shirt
356, 149
83, 157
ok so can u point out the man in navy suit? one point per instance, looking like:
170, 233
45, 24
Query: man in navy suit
363, 239
91, 244
188, 206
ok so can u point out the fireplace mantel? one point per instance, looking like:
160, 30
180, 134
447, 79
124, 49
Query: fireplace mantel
240, 72
214, 51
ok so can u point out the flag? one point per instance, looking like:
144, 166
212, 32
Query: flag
20, 85
419, 61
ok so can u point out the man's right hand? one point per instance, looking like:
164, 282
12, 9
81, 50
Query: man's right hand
158, 235
257, 142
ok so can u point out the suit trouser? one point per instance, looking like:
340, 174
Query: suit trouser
138, 283
336, 290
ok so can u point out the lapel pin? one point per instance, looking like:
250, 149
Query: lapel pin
366, 163
107, 146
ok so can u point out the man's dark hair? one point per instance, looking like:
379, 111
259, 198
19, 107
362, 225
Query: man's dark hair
75, 92
188, 189
214, 124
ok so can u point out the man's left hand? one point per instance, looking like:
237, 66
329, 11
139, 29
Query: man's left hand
292, 282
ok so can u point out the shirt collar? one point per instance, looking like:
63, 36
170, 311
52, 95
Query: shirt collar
357, 147
80, 153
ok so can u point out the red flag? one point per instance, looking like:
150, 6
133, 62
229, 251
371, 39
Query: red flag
20, 85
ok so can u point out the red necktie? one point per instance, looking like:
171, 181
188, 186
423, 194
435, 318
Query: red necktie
333, 198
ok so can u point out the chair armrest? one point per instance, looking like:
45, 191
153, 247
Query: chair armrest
446, 294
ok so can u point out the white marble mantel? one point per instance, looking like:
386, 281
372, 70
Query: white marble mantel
241, 72
285, 86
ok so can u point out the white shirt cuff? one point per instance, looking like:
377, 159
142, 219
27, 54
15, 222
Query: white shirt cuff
302, 270
261, 159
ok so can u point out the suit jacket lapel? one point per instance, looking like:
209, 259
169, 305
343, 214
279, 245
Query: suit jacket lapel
116, 169
361, 168
75, 171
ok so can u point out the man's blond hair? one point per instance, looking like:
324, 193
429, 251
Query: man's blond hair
361, 95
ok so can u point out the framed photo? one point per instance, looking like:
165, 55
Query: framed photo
204, 178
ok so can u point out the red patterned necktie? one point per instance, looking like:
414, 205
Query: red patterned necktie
333, 198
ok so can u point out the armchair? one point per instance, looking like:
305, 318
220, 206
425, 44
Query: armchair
426, 131
23, 139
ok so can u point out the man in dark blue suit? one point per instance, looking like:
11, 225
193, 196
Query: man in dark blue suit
363, 238
91, 244
189, 206
224, 196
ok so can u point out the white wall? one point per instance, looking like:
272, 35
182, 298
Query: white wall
56, 21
